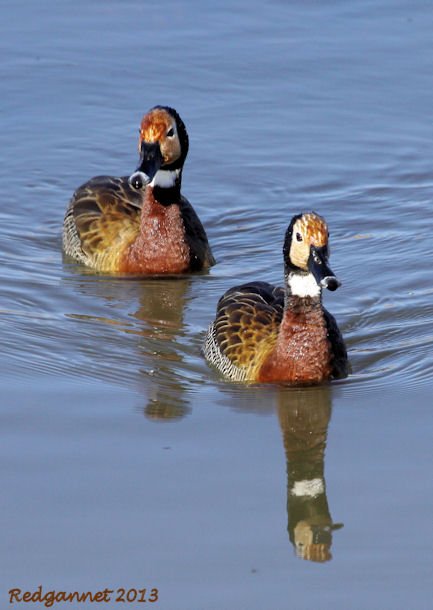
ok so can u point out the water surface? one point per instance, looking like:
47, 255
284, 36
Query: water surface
126, 462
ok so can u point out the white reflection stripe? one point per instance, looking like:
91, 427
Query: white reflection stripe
311, 488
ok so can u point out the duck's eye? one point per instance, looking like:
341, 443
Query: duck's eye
170, 133
298, 237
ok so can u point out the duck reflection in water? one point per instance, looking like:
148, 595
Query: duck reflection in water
161, 309
147, 337
304, 416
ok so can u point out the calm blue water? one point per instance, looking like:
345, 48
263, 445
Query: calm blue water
126, 462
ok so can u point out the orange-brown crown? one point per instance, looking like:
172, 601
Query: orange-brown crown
155, 125
313, 229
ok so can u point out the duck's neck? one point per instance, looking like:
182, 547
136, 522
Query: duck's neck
302, 285
302, 306
301, 314
166, 186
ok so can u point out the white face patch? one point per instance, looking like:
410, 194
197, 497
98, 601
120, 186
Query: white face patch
165, 178
303, 285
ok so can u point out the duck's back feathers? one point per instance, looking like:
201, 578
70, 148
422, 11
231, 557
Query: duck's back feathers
102, 219
245, 329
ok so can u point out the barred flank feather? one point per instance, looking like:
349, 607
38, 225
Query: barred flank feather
216, 358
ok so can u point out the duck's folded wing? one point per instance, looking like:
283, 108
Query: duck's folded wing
245, 328
103, 215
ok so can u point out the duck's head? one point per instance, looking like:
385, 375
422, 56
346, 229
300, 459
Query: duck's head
163, 146
306, 253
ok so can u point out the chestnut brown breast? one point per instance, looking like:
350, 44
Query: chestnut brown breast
302, 353
161, 246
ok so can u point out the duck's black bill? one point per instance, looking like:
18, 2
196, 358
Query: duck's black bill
150, 159
149, 163
318, 266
